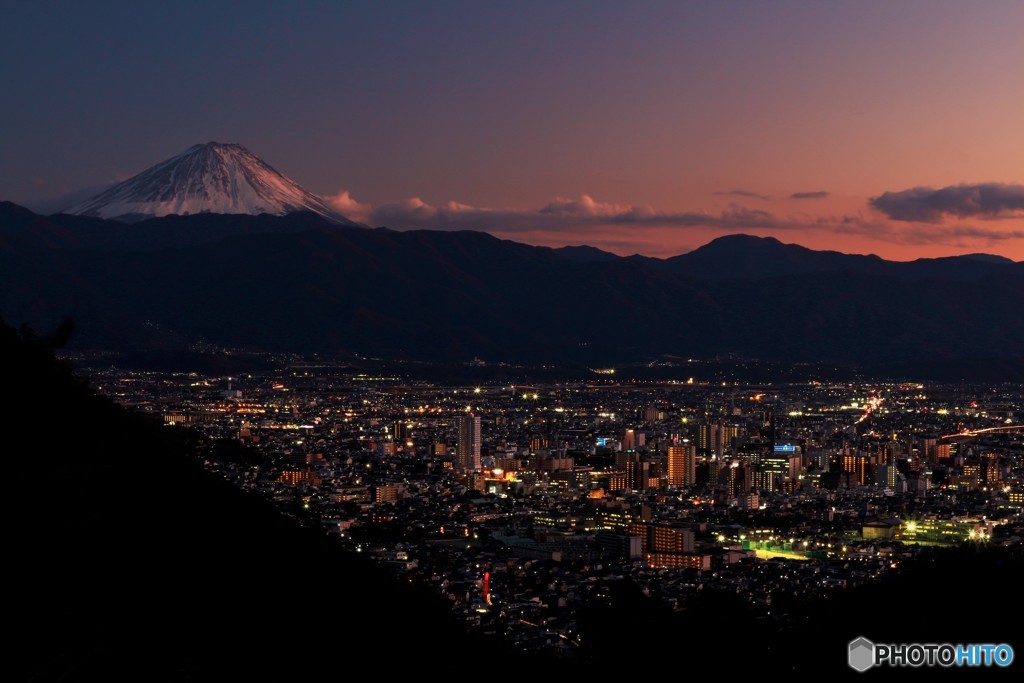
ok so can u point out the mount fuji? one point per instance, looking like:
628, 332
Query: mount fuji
217, 178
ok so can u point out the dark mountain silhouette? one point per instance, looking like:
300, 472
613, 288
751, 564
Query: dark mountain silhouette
298, 283
132, 563
749, 257
585, 254
86, 232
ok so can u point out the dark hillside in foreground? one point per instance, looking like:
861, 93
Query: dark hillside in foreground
128, 562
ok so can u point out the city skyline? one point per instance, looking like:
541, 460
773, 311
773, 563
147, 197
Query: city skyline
649, 130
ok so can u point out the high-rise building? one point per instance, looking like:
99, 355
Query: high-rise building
632, 440
714, 470
629, 441
990, 474
682, 465
388, 493
666, 538
796, 467
539, 442
738, 478
777, 466
728, 435
638, 474
467, 453
927, 446
887, 476
708, 439
856, 466
653, 414
714, 438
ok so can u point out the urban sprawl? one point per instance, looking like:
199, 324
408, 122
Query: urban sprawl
520, 504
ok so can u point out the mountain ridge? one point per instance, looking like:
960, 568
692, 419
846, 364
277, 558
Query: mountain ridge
54, 228
301, 284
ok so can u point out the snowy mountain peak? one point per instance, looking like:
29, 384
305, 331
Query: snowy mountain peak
215, 177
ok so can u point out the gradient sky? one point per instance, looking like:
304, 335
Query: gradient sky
890, 127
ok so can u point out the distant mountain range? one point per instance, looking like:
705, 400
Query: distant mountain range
303, 283
244, 270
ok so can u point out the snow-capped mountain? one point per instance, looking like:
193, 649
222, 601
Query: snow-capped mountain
211, 178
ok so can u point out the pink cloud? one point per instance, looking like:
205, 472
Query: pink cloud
628, 228
347, 206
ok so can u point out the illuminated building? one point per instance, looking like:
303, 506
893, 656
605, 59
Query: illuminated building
682, 465
879, 530
574, 478
919, 483
617, 481
748, 501
467, 453
638, 475
620, 520
632, 440
296, 477
706, 436
953, 531
538, 442
927, 448
738, 478
652, 414
714, 469
856, 466
796, 467
888, 476
546, 462
970, 478
990, 469
666, 560
777, 466
476, 481
664, 538
389, 493
189, 418
729, 434
713, 438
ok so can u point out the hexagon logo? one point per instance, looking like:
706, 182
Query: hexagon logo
861, 654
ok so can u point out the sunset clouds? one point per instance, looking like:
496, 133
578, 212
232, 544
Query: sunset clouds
627, 228
556, 215
928, 205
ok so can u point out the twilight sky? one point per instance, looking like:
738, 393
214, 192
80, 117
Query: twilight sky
893, 127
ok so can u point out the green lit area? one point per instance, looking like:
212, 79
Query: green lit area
943, 532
